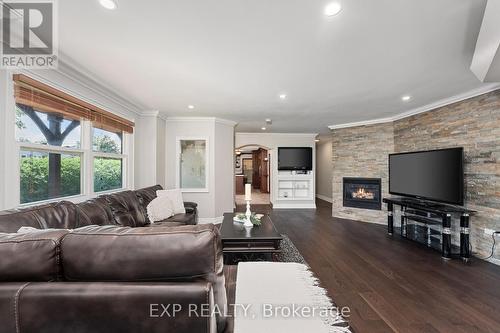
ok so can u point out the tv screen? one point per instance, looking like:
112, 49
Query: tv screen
294, 158
436, 175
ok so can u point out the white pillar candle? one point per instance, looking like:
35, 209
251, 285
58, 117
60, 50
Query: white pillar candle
248, 192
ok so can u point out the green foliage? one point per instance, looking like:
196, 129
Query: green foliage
35, 176
256, 221
105, 144
107, 174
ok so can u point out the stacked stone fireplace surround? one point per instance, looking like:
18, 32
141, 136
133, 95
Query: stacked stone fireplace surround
474, 124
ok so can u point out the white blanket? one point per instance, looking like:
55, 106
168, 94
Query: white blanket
282, 297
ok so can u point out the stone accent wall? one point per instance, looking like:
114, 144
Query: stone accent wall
361, 152
473, 124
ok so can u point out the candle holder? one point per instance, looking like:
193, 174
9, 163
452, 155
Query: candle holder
248, 214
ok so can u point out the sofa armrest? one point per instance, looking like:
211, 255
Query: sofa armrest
189, 204
192, 208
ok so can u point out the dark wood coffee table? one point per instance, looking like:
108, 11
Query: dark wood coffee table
242, 244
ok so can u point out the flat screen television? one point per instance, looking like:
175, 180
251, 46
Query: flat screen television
295, 158
436, 175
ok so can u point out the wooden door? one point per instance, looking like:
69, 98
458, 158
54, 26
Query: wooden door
256, 167
263, 171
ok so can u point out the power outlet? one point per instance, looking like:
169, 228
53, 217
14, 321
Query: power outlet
489, 231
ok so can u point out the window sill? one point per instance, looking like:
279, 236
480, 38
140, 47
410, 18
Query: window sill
97, 194
194, 190
75, 199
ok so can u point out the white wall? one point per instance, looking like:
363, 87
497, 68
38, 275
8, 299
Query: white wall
224, 168
150, 150
272, 141
324, 169
220, 136
161, 151
3, 134
146, 151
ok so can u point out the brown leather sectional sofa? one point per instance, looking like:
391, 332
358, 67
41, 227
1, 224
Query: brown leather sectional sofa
113, 272
127, 209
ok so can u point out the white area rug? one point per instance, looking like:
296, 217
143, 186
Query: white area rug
283, 297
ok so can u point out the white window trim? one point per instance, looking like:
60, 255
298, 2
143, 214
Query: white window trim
178, 140
87, 164
123, 156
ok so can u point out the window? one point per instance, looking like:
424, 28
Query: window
108, 160
39, 183
66, 147
50, 162
107, 142
192, 174
53, 129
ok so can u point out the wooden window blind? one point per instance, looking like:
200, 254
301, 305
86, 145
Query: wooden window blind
45, 98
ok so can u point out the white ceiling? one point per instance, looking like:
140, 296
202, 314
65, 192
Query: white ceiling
231, 58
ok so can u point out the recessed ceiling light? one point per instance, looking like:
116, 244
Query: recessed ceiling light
263, 128
190, 107
108, 4
282, 96
269, 121
316, 140
406, 98
333, 9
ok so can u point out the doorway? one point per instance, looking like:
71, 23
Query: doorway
252, 166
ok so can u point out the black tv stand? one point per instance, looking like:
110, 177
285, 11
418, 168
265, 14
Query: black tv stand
433, 224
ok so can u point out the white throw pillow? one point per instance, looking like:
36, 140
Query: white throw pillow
159, 209
175, 197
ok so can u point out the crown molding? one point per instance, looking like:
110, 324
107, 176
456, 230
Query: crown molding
429, 107
306, 135
151, 113
206, 119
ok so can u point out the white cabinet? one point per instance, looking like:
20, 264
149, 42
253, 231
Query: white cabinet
292, 186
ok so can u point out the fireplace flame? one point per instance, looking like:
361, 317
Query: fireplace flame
361, 193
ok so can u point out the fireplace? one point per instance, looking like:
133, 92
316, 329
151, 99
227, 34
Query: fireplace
363, 193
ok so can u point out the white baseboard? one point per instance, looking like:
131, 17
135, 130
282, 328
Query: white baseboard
208, 220
294, 206
324, 197
493, 261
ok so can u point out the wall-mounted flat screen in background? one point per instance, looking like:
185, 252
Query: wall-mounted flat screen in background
295, 158
436, 175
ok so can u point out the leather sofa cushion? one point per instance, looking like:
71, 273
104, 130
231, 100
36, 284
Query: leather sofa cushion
126, 209
59, 215
95, 212
31, 256
109, 253
8, 305
101, 307
12, 220
185, 253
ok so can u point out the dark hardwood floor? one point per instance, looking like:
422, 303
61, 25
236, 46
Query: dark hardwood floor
392, 284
